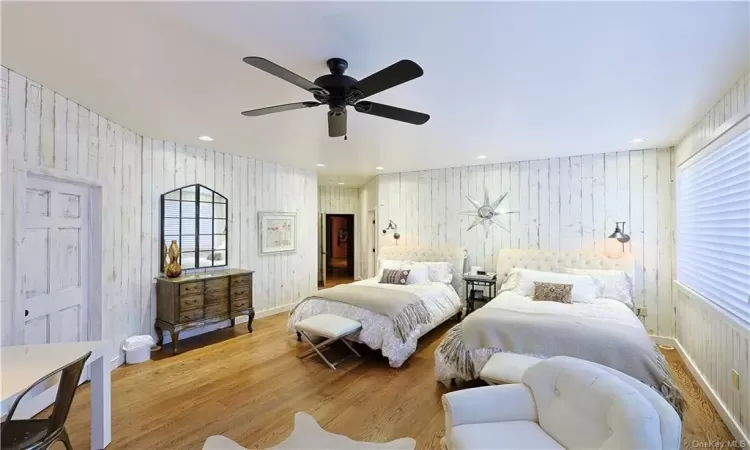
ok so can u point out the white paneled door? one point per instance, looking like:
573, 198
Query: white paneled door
51, 249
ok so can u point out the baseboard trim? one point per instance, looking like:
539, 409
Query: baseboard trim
664, 340
730, 422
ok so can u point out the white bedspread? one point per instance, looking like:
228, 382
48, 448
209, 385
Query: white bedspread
440, 299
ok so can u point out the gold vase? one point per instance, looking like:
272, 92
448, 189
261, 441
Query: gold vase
173, 269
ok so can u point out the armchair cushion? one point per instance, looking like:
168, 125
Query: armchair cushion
519, 434
582, 406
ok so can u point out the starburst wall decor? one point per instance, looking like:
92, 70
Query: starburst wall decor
486, 213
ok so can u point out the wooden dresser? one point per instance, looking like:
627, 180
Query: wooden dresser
195, 300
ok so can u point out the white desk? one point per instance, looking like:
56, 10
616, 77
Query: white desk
22, 365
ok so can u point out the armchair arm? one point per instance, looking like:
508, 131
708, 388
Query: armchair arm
501, 403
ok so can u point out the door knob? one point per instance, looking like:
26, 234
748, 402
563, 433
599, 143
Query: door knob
26, 313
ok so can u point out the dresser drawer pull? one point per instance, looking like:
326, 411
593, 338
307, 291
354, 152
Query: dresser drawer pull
244, 292
191, 302
191, 288
187, 316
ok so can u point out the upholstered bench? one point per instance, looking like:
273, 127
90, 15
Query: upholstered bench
504, 368
329, 326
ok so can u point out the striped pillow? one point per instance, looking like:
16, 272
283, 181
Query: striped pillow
394, 276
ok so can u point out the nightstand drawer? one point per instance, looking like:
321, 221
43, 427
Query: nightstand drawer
191, 302
189, 316
221, 283
191, 288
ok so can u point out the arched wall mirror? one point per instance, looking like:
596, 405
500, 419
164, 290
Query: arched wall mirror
196, 217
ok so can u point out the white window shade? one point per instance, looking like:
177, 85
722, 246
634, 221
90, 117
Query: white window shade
713, 225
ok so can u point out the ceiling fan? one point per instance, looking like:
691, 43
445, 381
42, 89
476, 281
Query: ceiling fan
339, 91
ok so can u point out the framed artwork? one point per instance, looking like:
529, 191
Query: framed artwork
277, 232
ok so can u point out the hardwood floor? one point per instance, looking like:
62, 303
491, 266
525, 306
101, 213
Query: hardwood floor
248, 387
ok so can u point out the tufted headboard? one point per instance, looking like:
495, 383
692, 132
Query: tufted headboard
455, 255
550, 261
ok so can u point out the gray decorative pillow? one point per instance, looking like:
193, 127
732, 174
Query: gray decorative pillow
395, 276
552, 292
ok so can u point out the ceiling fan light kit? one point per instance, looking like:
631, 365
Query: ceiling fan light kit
339, 91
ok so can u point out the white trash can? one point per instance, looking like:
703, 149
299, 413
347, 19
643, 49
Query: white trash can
137, 349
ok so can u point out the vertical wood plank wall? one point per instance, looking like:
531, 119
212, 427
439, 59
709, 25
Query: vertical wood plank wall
44, 129
338, 200
563, 203
714, 342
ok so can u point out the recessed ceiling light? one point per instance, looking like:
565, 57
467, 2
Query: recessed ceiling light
481, 157
320, 165
206, 138
379, 168
341, 182
637, 140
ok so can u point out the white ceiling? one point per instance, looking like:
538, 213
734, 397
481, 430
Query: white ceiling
513, 81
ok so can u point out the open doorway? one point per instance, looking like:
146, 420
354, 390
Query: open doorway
339, 242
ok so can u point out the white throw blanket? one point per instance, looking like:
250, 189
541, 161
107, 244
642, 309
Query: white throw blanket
603, 333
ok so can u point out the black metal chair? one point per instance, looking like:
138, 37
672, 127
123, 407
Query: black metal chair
40, 434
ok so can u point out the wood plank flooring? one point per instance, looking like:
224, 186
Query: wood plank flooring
248, 387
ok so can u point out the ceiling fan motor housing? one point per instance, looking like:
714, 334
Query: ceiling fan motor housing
337, 84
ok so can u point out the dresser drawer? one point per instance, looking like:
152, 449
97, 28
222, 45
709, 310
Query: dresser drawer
189, 316
191, 302
216, 310
241, 280
216, 297
219, 283
240, 292
241, 303
191, 288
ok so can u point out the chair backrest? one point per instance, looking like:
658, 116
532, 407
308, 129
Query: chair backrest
582, 406
69, 377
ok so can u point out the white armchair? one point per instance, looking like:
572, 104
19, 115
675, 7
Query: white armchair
562, 402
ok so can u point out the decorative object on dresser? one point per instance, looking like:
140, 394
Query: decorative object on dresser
201, 299
196, 218
278, 232
475, 285
173, 269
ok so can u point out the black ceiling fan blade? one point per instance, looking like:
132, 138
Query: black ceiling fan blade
392, 112
393, 75
279, 108
337, 123
285, 74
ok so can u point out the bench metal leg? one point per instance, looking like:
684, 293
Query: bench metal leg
317, 348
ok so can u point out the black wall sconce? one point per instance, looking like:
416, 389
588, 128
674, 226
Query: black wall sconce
620, 235
394, 227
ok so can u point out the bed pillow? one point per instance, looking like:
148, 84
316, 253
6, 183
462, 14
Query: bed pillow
552, 292
441, 272
394, 276
390, 264
521, 281
612, 284
418, 273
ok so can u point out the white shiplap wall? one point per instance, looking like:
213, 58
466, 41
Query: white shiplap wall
368, 200
338, 200
712, 342
43, 129
564, 204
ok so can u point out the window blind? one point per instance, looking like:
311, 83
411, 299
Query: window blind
713, 226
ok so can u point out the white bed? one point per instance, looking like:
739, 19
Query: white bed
441, 300
601, 308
